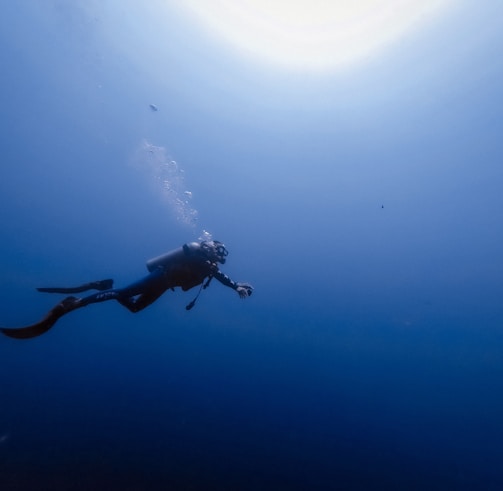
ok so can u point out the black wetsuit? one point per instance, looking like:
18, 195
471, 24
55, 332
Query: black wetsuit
144, 292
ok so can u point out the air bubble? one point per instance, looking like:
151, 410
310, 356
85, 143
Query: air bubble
170, 176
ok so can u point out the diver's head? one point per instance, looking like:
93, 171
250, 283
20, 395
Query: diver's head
214, 250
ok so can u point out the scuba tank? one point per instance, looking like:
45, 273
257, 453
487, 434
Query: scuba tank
174, 256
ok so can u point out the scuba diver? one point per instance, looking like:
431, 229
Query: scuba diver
192, 264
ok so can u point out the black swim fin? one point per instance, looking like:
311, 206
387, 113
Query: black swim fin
34, 330
94, 285
67, 305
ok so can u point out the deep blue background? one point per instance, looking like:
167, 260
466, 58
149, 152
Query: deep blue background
369, 356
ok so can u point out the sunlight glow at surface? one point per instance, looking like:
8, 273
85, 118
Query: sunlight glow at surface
311, 34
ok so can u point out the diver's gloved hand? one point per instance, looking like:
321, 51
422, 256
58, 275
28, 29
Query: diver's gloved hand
244, 290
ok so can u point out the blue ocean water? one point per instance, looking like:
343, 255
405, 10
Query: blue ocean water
363, 205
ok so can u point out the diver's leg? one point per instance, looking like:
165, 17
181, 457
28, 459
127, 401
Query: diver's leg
143, 293
146, 290
136, 296
136, 303
66, 306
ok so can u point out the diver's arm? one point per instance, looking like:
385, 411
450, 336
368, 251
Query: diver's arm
244, 289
